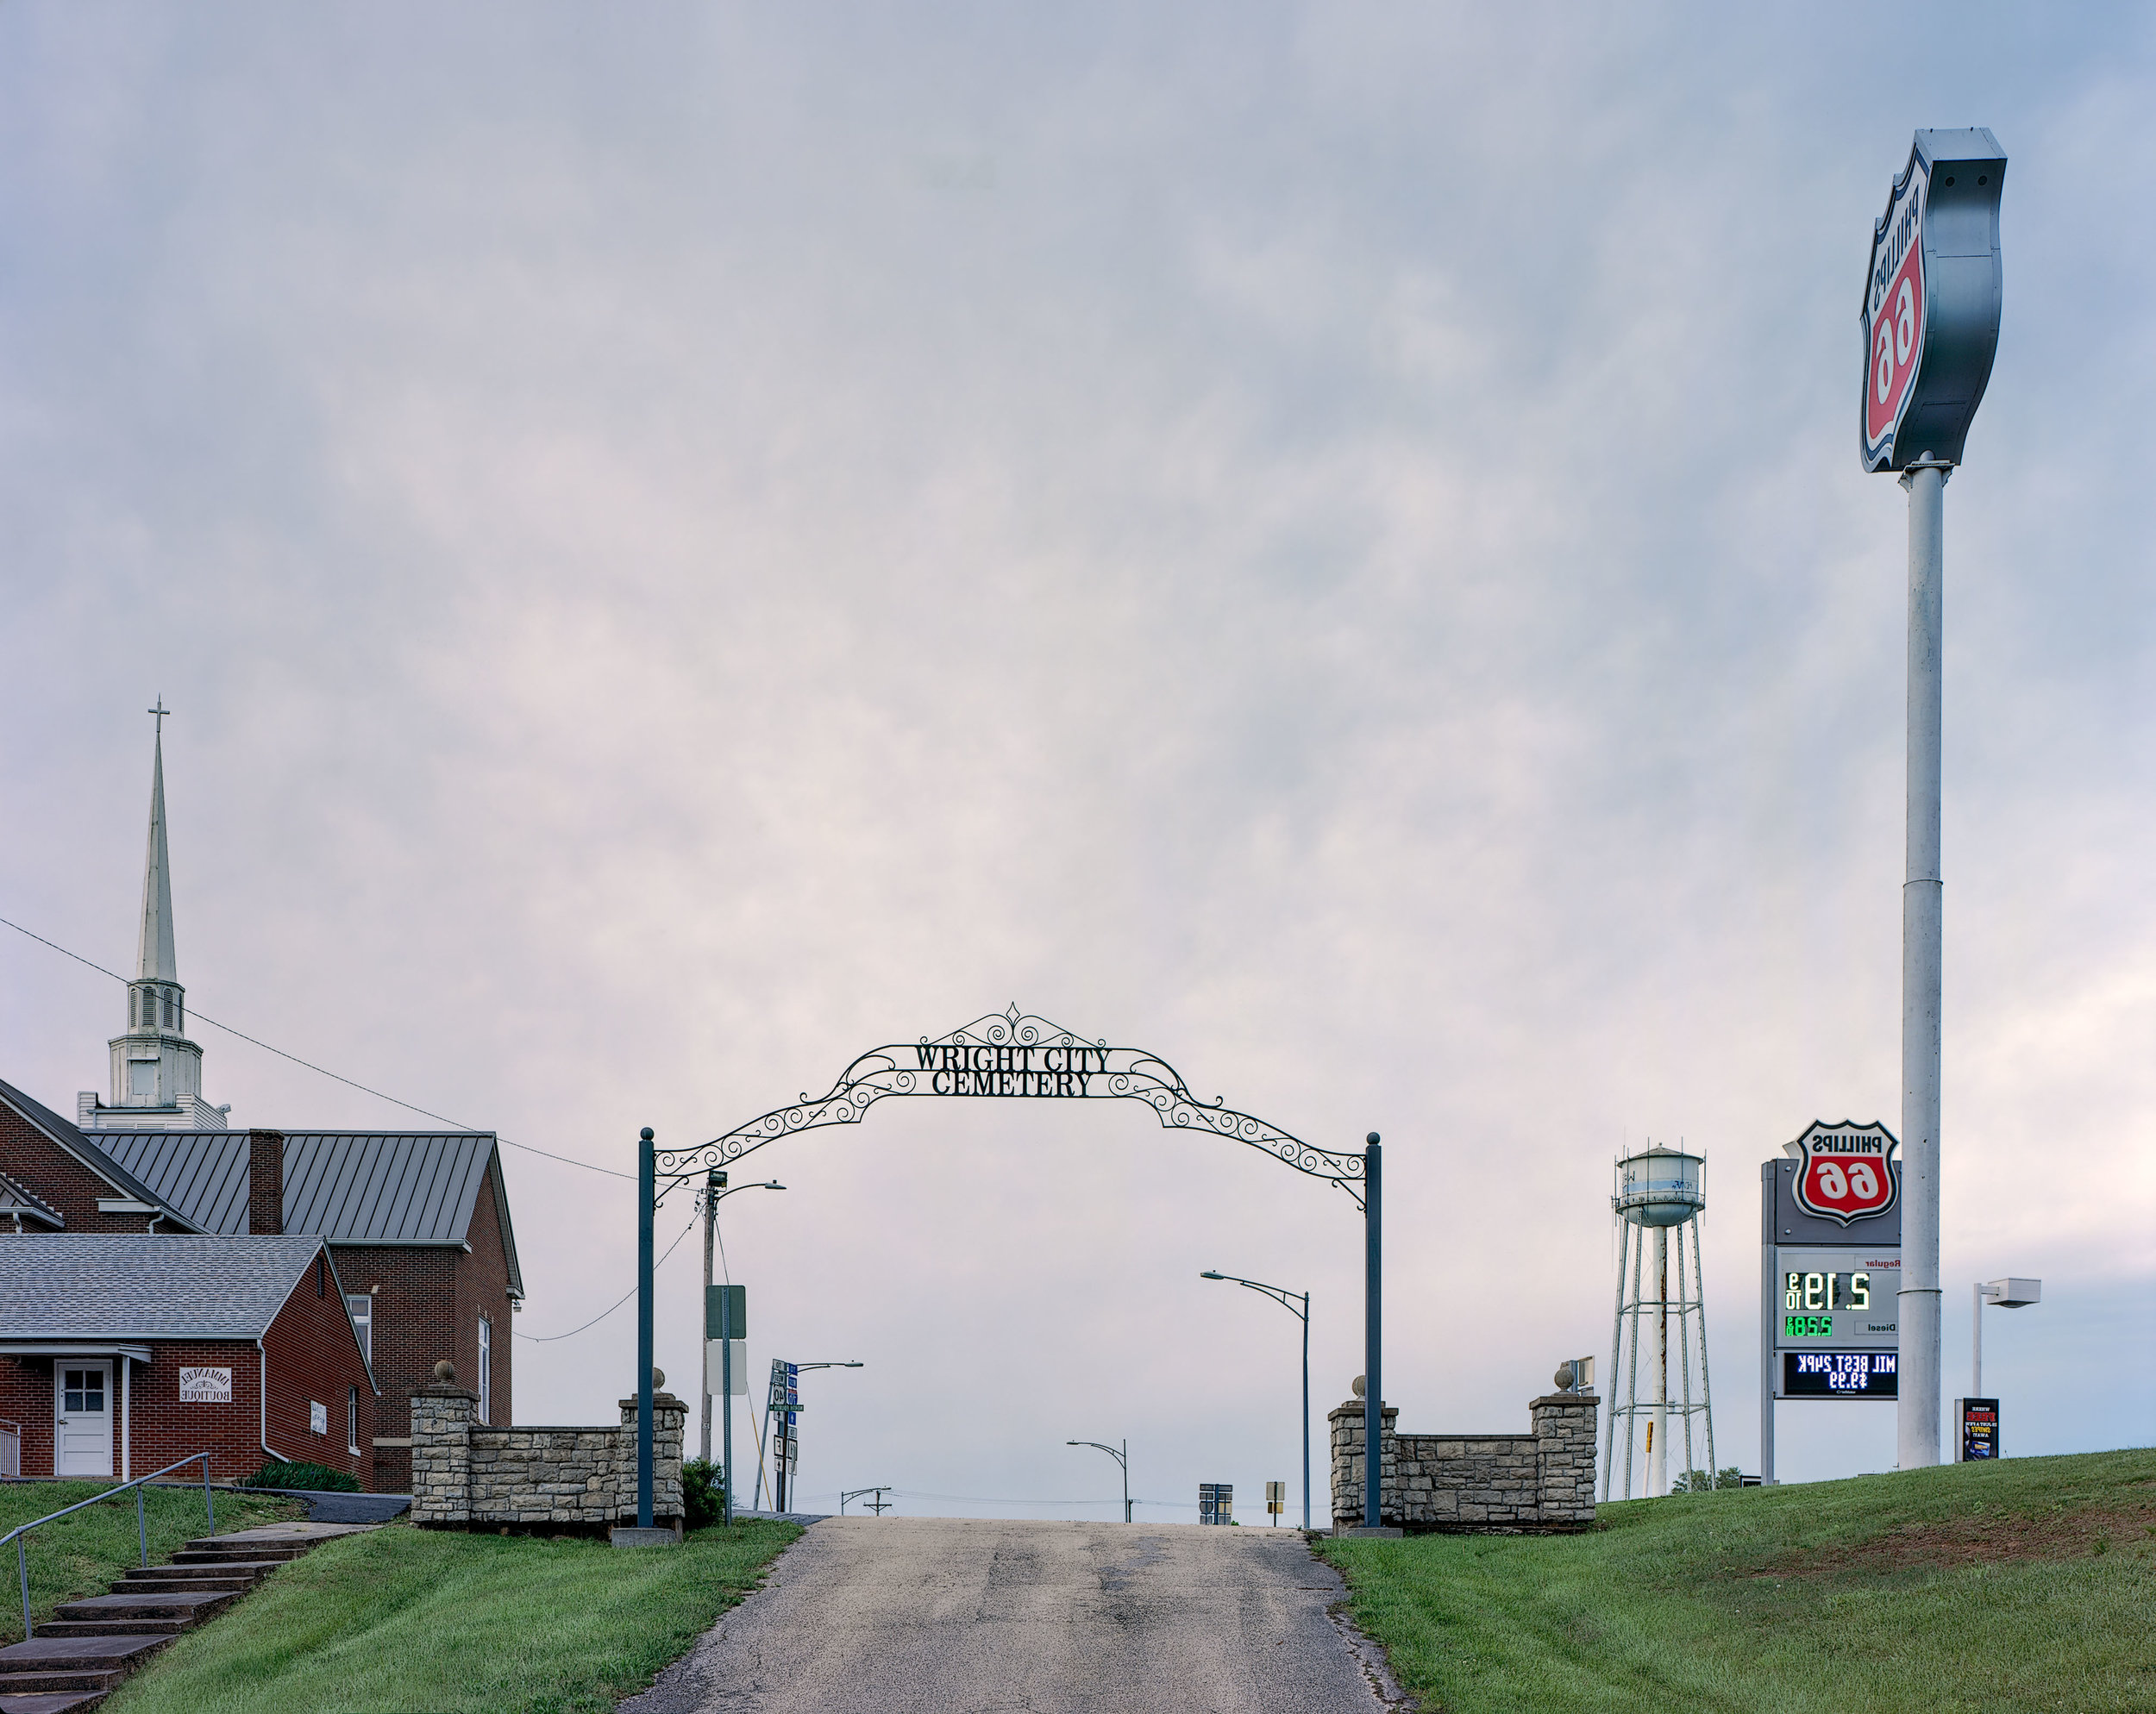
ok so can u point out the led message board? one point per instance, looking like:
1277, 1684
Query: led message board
1840, 1374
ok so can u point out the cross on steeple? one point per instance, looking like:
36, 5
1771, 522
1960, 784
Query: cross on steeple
160, 712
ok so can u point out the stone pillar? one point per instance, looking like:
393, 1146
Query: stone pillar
442, 1453
1347, 1465
1565, 1439
670, 1425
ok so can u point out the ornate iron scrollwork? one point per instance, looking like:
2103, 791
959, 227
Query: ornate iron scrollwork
1010, 1055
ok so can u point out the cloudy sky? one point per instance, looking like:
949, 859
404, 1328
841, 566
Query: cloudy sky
1324, 542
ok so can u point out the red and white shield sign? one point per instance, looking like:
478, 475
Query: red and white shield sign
1894, 315
1844, 1172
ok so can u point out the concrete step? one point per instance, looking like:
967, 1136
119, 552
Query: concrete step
50, 1701
21, 1684
195, 1605
278, 1553
79, 1654
149, 1583
159, 1631
213, 1572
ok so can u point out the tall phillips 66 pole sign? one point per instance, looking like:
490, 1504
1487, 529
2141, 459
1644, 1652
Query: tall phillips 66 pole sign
1930, 328
1931, 301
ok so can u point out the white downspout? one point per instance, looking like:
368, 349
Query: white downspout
263, 1371
126, 1419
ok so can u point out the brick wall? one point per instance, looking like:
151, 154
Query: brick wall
415, 1294
1501, 1484
26, 1154
467, 1476
482, 1280
314, 1359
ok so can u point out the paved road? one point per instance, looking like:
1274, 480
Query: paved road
976, 1616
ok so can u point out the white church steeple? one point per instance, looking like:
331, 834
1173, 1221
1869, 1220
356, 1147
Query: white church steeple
156, 1070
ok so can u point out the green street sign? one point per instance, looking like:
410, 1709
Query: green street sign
730, 1303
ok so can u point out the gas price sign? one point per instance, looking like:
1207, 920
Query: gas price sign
1836, 1327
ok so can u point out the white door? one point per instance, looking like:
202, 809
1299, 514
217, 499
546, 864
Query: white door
82, 1435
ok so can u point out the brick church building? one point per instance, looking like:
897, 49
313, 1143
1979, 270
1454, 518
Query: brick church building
410, 1231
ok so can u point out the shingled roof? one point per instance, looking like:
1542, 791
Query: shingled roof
353, 1187
146, 1285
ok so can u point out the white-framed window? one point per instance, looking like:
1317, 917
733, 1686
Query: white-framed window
361, 1305
351, 1420
142, 1079
486, 1370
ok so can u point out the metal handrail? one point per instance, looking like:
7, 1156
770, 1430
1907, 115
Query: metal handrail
141, 1524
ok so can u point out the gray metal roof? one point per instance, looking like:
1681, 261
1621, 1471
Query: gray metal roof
73, 1139
200, 1175
146, 1285
355, 1187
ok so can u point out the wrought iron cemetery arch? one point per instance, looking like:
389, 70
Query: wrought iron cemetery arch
1014, 1055
1017, 1056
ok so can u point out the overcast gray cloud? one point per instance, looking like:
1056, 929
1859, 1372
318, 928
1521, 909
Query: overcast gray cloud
1324, 542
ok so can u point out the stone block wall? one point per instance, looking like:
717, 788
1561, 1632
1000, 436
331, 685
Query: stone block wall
1496, 1484
466, 1475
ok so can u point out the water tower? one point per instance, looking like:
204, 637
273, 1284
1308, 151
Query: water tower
1658, 1193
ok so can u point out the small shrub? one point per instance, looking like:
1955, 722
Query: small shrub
313, 1477
1699, 1481
702, 1492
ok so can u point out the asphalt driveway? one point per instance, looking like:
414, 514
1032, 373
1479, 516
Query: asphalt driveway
981, 1617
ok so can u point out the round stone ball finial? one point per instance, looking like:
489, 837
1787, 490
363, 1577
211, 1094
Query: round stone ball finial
445, 1372
1564, 1377
658, 1381
1360, 1387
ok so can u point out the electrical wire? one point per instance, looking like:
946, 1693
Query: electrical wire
349, 1083
549, 1338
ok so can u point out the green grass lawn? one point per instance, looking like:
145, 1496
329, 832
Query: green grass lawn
405, 1621
2028, 1584
81, 1555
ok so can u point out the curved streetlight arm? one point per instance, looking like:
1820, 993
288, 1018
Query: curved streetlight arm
1121, 1457
830, 1366
1295, 1303
1288, 1301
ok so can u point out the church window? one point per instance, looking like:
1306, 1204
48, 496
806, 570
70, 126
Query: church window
168, 1011
486, 1370
362, 1308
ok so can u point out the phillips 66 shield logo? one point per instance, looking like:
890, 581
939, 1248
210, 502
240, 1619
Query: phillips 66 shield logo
1894, 315
1845, 1172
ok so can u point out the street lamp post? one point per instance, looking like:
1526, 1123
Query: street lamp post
1122, 1457
1286, 1300
2008, 1294
715, 1192
789, 1476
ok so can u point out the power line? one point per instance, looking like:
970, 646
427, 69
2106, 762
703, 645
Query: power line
349, 1083
549, 1338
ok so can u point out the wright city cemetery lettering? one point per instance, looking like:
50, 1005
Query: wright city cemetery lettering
975, 1068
